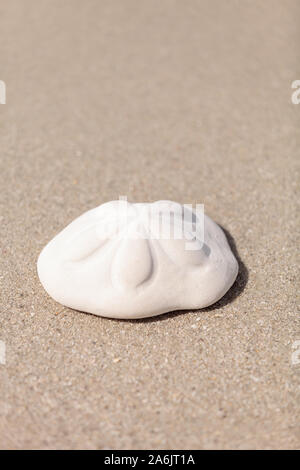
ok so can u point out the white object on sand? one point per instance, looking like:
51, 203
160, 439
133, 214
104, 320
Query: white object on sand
124, 260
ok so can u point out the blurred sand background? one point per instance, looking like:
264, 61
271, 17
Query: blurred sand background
153, 99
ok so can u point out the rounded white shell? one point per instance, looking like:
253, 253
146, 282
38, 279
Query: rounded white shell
123, 267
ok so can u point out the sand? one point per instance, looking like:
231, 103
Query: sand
188, 101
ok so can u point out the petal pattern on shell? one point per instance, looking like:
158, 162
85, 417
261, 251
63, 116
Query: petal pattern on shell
185, 252
83, 244
133, 264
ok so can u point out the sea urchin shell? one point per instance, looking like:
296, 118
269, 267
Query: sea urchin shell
131, 261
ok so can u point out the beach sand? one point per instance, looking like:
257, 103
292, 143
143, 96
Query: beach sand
188, 101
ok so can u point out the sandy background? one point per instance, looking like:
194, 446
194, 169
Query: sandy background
153, 99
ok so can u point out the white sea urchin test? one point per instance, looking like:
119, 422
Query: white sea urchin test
124, 260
